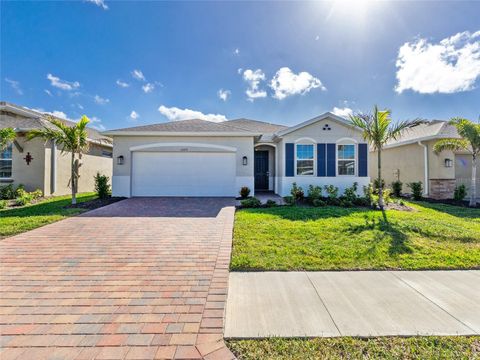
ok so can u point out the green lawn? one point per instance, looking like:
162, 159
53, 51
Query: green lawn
435, 236
455, 348
18, 220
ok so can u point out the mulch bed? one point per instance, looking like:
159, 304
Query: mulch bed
95, 204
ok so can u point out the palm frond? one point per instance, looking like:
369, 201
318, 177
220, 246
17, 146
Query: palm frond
450, 144
7, 135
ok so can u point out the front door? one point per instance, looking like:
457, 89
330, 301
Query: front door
261, 170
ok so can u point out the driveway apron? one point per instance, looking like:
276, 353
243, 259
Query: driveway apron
144, 278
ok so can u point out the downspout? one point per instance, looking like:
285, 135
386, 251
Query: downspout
53, 168
425, 160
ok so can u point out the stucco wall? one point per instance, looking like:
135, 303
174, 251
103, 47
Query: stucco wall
463, 171
122, 145
32, 176
92, 162
314, 134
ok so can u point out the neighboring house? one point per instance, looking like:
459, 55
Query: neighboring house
40, 165
411, 158
202, 158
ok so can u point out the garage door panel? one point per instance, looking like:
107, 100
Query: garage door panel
183, 174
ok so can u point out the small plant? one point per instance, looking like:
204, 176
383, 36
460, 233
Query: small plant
350, 193
19, 190
37, 194
318, 203
3, 204
417, 189
244, 192
460, 193
314, 193
297, 192
7, 192
397, 188
25, 199
332, 191
252, 202
289, 200
271, 203
376, 183
102, 188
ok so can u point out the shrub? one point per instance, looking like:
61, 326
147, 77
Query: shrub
289, 200
332, 191
7, 192
252, 202
460, 193
19, 190
417, 189
25, 199
376, 182
271, 203
3, 204
37, 194
314, 193
350, 193
368, 192
102, 188
297, 192
318, 203
244, 192
345, 203
397, 188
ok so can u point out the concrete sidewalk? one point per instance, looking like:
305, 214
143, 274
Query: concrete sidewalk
353, 303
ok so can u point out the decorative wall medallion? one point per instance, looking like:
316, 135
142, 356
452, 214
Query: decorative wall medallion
28, 158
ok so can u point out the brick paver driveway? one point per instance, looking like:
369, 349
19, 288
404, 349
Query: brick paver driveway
145, 278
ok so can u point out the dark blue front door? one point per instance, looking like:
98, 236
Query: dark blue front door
261, 170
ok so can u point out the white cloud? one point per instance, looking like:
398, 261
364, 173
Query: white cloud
48, 92
59, 114
15, 86
148, 88
96, 123
62, 84
343, 112
100, 3
253, 78
176, 114
101, 101
317, 37
286, 83
236, 51
224, 94
122, 83
449, 66
239, 71
138, 75
134, 115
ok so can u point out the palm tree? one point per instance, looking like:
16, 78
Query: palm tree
469, 142
73, 139
378, 129
7, 135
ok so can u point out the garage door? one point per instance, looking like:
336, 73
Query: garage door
183, 174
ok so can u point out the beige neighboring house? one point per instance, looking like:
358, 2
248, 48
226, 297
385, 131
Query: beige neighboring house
411, 158
41, 165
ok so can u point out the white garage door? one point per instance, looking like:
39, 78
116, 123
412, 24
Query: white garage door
183, 174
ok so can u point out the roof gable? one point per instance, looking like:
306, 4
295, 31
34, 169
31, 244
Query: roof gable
327, 115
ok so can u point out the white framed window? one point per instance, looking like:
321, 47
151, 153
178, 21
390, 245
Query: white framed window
305, 159
6, 162
346, 159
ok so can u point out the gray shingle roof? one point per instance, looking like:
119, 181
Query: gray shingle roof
36, 120
193, 125
431, 129
256, 126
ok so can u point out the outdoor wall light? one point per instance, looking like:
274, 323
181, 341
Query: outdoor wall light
448, 163
244, 161
120, 160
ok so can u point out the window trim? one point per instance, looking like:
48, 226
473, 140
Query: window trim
355, 159
11, 160
314, 158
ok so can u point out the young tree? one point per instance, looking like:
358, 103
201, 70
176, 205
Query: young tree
469, 142
378, 129
7, 135
71, 139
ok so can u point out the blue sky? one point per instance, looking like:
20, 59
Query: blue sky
130, 63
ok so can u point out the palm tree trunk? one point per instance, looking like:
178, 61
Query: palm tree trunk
74, 180
473, 192
380, 187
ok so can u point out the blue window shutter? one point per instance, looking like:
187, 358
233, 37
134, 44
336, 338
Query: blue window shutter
289, 159
362, 160
331, 160
321, 160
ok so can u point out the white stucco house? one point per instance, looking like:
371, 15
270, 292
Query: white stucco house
202, 158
